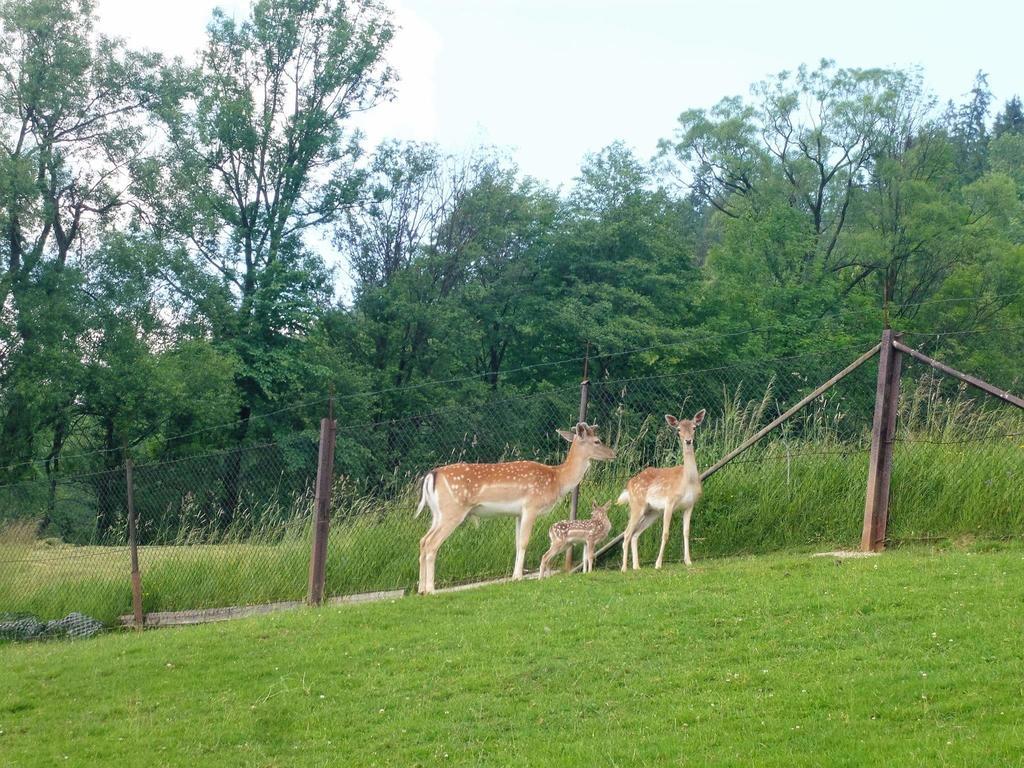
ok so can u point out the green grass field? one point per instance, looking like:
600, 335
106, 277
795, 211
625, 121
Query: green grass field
910, 658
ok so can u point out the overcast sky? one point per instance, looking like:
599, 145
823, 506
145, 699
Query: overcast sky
555, 79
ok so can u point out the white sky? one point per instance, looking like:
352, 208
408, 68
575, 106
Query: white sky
555, 79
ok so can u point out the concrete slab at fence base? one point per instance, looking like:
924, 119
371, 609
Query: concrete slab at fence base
845, 554
206, 615
475, 584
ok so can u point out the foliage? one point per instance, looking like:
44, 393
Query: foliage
168, 281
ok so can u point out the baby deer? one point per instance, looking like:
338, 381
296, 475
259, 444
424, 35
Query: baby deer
660, 491
565, 533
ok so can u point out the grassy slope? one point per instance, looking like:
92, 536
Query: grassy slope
911, 658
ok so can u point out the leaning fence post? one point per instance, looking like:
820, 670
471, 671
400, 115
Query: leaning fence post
883, 430
584, 400
322, 519
133, 545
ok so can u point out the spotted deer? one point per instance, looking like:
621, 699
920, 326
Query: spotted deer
657, 490
522, 489
590, 533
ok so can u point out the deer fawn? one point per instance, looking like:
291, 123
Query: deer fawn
523, 489
565, 533
663, 490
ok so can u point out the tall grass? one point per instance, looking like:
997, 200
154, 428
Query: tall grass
958, 469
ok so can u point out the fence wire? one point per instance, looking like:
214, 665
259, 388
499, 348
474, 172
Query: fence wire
233, 527
958, 462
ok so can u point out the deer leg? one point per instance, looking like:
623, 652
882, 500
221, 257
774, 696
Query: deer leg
553, 551
637, 508
432, 542
665, 526
423, 554
645, 522
627, 537
523, 531
686, 535
424, 544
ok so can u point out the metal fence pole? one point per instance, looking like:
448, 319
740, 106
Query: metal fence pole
883, 430
322, 520
584, 400
133, 545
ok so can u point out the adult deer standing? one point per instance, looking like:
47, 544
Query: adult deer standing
657, 490
523, 489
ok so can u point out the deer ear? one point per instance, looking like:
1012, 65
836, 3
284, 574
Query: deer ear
699, 417
671, 420
581, 429
565, 435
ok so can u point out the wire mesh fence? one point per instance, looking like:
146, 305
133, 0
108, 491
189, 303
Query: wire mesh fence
958, 462
233, 527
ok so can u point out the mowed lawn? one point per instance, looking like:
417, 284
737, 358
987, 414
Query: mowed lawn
912, 658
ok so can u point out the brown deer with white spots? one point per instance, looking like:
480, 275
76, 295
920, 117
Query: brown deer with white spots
590, 533
522, 489
656, 490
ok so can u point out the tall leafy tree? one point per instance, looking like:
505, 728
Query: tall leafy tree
260, 158
968, 128
799, 153
621, 270
785, 173
73, 107
1010, 120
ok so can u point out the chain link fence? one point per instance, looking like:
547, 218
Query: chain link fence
958, 458
233, 527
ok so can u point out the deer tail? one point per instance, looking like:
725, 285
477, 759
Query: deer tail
428, 496
623, 497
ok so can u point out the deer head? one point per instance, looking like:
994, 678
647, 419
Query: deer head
587, 442
686, 427
600, 511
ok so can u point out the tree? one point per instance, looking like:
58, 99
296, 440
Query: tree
968, 128
620, 271
494, 238
405, 194
808, 140
260, 158
73, 106
444, 243
1010, 120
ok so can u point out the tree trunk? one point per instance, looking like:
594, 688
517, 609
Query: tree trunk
52, 472
232, 478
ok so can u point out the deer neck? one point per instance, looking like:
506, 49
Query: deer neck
691, 475
572, 470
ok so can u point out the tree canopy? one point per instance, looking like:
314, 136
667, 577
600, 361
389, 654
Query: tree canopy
175, 238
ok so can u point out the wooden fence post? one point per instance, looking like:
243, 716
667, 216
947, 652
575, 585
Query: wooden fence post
584, 401
883, 430
322, 514
133, 545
